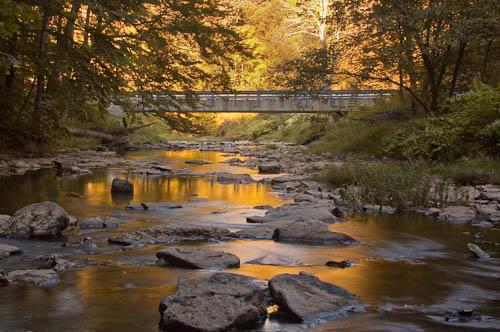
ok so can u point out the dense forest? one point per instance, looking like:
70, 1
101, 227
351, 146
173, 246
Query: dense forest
65, 62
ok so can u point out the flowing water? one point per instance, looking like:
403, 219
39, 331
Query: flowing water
412, 271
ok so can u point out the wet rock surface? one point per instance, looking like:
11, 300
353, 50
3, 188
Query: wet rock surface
229, 178
298, 212
457, 214
269, 168
100, 222
46, 219
311, 233
218, 302
41, 278
172, 233
304, 297
197, 162
477, 252
8, 250
197, 258
122, 186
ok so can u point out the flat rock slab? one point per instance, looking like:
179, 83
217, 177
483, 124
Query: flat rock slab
46, 219
42, 278
304, 297
295, 212
100, 223
197, 258
214, 303
269, 168
457, 214
173, 233
311, 233
197, 162
8, 250
229, 178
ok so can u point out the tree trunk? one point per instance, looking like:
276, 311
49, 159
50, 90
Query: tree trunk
456, 69
40, 76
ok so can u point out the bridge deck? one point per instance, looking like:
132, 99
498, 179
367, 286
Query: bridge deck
257, 101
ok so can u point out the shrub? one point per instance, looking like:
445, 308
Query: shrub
468, 126
398, 185
470, 172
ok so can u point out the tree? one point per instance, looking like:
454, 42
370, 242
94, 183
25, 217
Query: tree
70, 58
422, 46
323, 20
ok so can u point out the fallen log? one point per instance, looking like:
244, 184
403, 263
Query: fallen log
116, 137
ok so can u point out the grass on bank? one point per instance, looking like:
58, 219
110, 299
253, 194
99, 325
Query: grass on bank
400, 185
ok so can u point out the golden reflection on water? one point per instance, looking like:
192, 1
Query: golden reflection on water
180, 189
177, 159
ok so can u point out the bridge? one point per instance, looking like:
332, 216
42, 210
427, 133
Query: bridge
253, 101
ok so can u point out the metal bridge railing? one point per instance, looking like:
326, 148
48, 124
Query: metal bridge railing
265, 95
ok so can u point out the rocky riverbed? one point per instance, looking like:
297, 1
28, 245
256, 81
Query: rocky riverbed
281, 240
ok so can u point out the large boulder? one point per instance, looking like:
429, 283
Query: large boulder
304, 297
42, 278
122, 186
197, 258
229, 178
311, 233
172, 233
269, 168
46, 219
213, 303
8, 250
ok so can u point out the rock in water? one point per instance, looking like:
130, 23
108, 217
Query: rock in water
312, 233
7, 250
172, 233
196, 258
298, 211
457, 214
304, 297
270, 168
4, 222
229, 178
122, 186
477, 252
342, 264
100, 223
197, 162
46, 219
42, 278
218, 302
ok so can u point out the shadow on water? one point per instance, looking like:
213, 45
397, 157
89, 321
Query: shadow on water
412, 271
